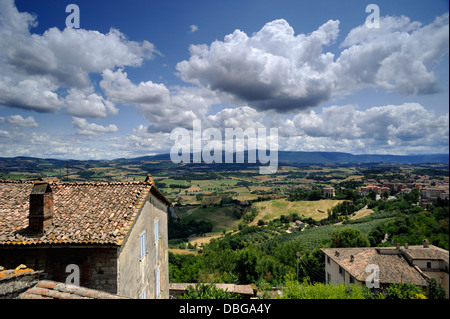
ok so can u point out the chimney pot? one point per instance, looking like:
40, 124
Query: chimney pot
41, 207
425, 243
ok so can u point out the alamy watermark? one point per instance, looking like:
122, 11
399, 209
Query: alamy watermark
216, 150
74, 275
373, 19
73, 19
373, 279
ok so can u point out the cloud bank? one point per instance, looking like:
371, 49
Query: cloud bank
279, 70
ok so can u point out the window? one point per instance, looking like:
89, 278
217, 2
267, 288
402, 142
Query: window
157, 282
352, 280
428, 264
340, 270
143, 249
328, 278
328, 259
156, 231
143, 294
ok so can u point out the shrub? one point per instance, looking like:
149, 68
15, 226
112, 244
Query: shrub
404, 291
307, 290
208, 291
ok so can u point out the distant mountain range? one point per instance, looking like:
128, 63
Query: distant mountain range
337, 157
283, 157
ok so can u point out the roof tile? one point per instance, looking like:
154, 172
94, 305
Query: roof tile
84, 213
393, 267
46, 289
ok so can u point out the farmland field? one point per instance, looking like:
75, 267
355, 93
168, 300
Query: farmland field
317, 210
222, 218
315, 237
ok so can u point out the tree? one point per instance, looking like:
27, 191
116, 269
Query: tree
308, 290
204, 291
413, 196
372, 194
349, 237
435, 290
404, 291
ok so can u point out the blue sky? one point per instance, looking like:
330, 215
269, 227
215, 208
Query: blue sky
135, 70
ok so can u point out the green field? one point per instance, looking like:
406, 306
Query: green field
222, 218
317, 210
317, 236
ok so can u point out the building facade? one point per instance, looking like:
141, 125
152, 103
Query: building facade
107, 236
328, 191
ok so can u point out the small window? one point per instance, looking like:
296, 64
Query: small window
328, 278
158, 281
328, 259
156, 231
143, 249
352, 280
428, 264
143, 294
340, 270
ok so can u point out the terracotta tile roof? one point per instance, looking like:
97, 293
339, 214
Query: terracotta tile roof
84, 213
46, 289
20, 270
393, 267
432, 252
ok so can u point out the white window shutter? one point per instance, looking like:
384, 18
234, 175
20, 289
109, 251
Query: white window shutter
156, 231
142, 245
158, 281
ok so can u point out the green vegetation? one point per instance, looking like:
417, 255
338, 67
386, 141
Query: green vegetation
316, 210
404, 291
348, 237
308, 290
203, 291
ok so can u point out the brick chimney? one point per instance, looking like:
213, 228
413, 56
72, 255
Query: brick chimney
425, 243
41, 208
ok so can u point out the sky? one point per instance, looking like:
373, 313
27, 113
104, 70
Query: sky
131, 72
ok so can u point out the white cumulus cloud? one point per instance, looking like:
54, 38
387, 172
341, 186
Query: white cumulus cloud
277, 69
49, 64
85, 128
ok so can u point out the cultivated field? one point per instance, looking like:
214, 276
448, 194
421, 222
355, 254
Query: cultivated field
317, 210
222, 218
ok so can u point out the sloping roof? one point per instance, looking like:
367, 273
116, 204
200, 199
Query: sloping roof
432, 253
84, 213
393, 267
46, 289
20, 270
23, 283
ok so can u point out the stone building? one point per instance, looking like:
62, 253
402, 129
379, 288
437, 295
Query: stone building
401, 264
107, 236
328, 191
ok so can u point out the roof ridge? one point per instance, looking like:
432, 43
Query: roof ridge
77, 183
16, 181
